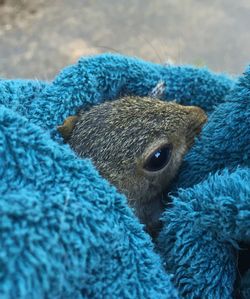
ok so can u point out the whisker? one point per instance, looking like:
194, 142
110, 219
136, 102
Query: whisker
152, 47
107, 48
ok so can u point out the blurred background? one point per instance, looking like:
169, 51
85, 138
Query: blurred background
39, 37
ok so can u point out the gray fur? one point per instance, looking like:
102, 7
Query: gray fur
119, 135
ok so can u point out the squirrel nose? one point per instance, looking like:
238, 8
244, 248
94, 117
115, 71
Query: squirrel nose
198, 118
198, 115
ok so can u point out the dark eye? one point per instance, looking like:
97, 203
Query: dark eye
159, 158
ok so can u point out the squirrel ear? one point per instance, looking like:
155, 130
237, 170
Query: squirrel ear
67, 127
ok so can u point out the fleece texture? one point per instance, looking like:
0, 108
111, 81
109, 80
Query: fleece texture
65, 232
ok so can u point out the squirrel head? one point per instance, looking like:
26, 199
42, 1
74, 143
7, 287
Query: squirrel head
136, 143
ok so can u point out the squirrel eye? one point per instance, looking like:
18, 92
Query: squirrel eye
159, 158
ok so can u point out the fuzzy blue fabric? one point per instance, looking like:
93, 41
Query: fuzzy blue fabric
65, 232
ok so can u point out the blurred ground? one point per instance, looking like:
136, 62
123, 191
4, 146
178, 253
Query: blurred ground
39, 37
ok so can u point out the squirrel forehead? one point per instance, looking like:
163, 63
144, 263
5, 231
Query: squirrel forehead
148, 106
130, 111
131, 123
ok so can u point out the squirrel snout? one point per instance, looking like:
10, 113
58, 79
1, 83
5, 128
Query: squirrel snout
198, 118
198, 114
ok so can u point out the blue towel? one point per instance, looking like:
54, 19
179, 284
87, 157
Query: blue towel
65, 232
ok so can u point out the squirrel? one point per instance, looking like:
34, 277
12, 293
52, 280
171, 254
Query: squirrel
136, 143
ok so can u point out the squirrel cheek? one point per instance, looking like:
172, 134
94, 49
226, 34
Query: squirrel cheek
177, 157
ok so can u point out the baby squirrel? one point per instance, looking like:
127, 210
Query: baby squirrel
138, 145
